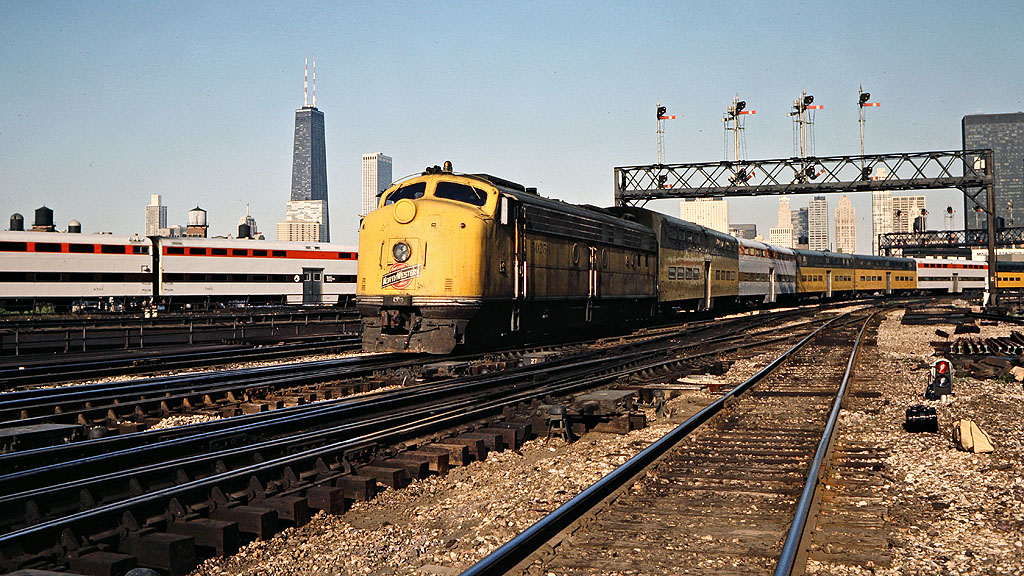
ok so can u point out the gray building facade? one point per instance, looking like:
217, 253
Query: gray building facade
1004, 134
799, 223
309, 162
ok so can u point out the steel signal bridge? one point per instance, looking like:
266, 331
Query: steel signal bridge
970, 171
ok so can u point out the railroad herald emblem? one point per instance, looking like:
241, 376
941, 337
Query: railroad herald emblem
400, 276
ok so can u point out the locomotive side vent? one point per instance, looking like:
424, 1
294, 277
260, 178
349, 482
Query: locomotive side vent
448, 284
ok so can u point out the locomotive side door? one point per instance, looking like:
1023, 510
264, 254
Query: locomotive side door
592, 281
888, 282
513, 214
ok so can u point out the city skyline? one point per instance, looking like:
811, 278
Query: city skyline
202, 99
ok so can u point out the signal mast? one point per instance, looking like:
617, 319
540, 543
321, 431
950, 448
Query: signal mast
803, 121
662, 116
733, 122
862, 101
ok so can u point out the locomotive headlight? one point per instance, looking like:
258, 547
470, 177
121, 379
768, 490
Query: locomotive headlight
401, 251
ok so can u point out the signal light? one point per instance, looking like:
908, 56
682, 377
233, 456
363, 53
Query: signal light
864, 97
661, 111
942, 367
740, 106
949, 209
808, 100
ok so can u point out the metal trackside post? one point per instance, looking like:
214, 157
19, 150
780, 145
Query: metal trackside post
990, 201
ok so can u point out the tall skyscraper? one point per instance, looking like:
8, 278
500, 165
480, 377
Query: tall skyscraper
710, 212
817, 224
782, 234
376, 178
1004, 134
905, 209
309, 163
156, 216
846, 226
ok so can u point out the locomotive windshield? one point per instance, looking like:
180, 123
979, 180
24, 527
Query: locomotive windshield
461, 193
411, 191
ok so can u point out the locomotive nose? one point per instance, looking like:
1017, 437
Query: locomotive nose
405, 211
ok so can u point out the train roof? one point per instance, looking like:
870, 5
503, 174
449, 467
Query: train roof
257, 244
764, 246
72, 238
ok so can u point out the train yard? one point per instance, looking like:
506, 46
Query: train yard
280, 458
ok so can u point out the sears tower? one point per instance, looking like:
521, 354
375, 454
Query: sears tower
307, 216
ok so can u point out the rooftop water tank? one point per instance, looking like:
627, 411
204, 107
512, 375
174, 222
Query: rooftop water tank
74, 227
44, 217
197, 217
17, 222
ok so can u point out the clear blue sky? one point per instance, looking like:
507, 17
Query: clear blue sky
105, 103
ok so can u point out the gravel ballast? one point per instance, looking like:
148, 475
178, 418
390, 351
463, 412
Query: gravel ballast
949, 512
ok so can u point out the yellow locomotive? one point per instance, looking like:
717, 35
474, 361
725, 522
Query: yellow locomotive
446, 255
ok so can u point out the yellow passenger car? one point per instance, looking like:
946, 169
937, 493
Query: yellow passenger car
884, 275
824, 274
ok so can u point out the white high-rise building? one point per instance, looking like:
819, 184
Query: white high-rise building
846, 226
303, 222
881, 210
376, 178
904, 210
782, 236
817, 224
156, 216
710, 212
785, 218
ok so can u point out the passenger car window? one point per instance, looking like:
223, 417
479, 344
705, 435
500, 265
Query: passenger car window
461, 193
412, 192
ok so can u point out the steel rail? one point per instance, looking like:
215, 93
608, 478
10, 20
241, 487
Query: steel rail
68, 407
136, 364
154, 504
266, 423
203, 460
791, 548
515, 551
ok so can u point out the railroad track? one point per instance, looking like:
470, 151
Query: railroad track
34, 417
23, 373
71, 335
731, 499
130, 498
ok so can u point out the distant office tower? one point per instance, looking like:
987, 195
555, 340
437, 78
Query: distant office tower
376, 178
781, 236
710, 212
817, 224
799, 223
784, 213
309, 163
745, 231
302, 222
247, 226
156, 216
197, 227
846, 226
905, 210
1004, 134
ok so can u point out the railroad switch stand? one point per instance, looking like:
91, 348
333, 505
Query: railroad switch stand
558, 423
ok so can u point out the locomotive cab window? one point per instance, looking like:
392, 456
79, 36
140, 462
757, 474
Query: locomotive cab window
460, 193
412, 192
